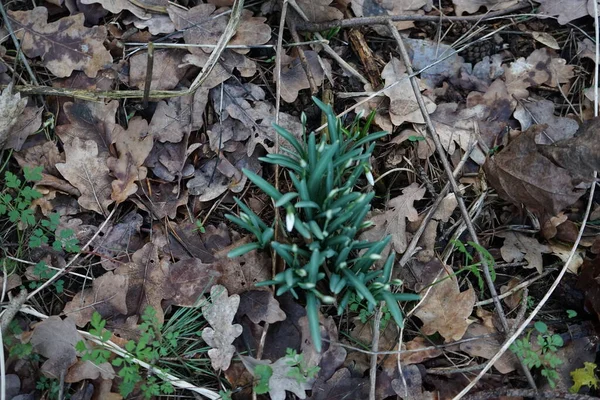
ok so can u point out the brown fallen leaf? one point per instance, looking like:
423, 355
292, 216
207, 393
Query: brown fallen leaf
518, 247
522, 175
487, 347
588, 282
293, 76
117, 6
83, 370
183, 241
320, 10
119, 240
371, 8
393, 221
85, 169
566, 12
161, 200
515, 298
450, 322
89, 121
107, 297
55, 339
156, 24
188, 280
580, 155
420, 351
332, 355
172, 119
341, 386
168, 69
403, 103
65, 45
558, 129
220, 336
242, 273
260, 306
280, 381
133, 146
28, 122
11, 107
472, 6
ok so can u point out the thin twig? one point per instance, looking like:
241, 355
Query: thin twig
542, 302
374, 349
11, 310
515, 289
448, 169
384, 19
8, 25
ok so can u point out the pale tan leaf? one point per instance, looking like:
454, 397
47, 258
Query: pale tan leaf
117, 6
11, 107
83, 370
168, 69
133, 146
65, 45
566, 11
320, 10
487, 347
518, 247
563, 252
87, 171
546, 39
472, 6
437, 316
280, 381
222, 332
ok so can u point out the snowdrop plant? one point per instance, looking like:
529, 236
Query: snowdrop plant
325, 259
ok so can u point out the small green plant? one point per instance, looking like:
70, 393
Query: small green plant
52, 386
298, 368
16, 201
149, 348
357, 305
263, 374
473, 267
325, 259
15, 347
544, 357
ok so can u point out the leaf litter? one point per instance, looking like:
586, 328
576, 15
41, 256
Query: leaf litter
172, 166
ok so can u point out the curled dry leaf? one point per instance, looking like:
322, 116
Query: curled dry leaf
222, 332
55, 339
517, 247
425, 53
133, 146
65, 45
320, 10
566, 12
156, 25
260, 306
83, 370
87, 171
280, 381
172, 119
450, 322
559, 128
106, 296
293, 76
163, 199
137, 7
418, 350
487, 347
523, 175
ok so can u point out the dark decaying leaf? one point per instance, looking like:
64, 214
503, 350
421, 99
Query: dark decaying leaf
340, 386
260, 306
65, 45
119, 240
523, 175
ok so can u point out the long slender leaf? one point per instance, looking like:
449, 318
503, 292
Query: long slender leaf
243, 249
392, 305
290, 138
359, 286
312, 314
263, 184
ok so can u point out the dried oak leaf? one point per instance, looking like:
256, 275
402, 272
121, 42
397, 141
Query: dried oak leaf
371, 8
487, 346
87, 171
559, 128
517, 247
566, 11
55, 339
522, 175
450, 322
542, 67
107, 296
319, 10
117, 6
133, 146
172, 119
393, 221
205, 24
426, 54
11, 107
167, 71
242, 273
220, 336
90, 121
417, 351
472, 6
189, 279
280, 381
157, 24
259, 306
119, 240
293, 76
580, 155
148, 281
403, 103
83, 370
332, 355
163, 200
65, 45
341, 386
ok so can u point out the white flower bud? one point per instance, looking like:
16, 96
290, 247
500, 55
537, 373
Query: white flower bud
289, 221
370, 179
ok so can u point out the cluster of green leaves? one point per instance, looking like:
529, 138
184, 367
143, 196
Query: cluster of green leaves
16, 201
473, 267
585, 376
544, 356
357, 305
327, 215
149, 348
